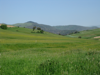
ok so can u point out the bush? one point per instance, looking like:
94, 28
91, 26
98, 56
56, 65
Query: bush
3, 26
41, 31
59, 34
34, 28
38, 28
76, 32
79, 37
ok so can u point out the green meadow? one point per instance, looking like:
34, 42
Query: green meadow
87, 34
26, 52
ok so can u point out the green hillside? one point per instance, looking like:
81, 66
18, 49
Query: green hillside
23, 52
22, 24
63, 30
47, 28
87, 34
74, 27
44, 27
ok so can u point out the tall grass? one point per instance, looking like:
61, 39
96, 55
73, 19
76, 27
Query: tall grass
26, 53
47, 62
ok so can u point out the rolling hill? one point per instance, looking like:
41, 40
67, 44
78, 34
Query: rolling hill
74, 27
63, 30
30, 25
88, 34
24, 52
47, 28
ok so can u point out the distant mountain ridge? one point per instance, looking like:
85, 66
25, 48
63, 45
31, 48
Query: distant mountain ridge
31, 24
74, 27
63, 30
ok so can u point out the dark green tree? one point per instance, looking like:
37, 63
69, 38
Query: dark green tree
34, 28
59, 34
41, 31
3, 26
38, 28
79, 37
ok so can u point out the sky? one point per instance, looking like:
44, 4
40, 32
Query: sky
51, 12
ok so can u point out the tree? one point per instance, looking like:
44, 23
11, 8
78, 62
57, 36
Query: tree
76, 32
41, 31
34, 28
38, 28
3, 26
59, 34
79, 37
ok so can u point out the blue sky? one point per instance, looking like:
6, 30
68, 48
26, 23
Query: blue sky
51, 12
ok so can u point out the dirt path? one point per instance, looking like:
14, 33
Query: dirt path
97, 37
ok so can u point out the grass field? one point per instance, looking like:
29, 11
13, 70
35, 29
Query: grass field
23, 52
88, 34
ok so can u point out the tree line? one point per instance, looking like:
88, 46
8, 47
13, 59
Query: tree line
39, 29
3, 26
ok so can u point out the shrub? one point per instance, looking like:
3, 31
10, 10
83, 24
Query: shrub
41, 31
34, 28
76, 32
38, 28
79, 37
3, 26
59, 34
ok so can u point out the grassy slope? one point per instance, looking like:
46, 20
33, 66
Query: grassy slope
22, 24
74, 27
87, 34
23, 52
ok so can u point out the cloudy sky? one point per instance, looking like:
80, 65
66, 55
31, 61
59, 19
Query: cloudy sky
51, 12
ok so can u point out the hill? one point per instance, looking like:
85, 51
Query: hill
74, 27
30, 25
87, 34
25, 52
47, 28
63, 30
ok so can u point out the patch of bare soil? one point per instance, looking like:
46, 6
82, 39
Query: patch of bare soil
97, 37
9, 25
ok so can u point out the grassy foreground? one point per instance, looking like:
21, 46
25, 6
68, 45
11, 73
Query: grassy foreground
23, 52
